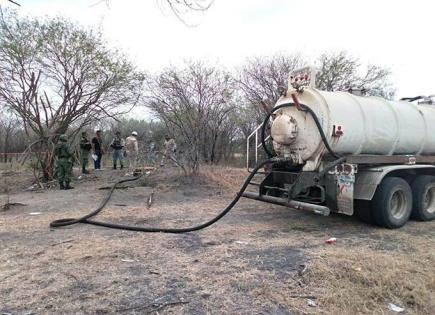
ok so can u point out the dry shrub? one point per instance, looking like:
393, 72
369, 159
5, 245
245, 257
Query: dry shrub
223, 176
364, 281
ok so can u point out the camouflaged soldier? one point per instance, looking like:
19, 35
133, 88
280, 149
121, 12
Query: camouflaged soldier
152, 153
85, 149
117, 145
170, 151
64, 158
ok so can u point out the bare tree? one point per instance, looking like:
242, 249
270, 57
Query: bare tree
339, 71
56, 75
245, 117
260, 78
9, 140
181, 8
195, 103
14, 2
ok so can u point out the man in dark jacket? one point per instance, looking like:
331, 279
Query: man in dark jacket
64, 162
85, 149
97, 148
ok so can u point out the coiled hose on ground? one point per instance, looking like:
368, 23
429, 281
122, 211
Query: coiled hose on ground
86, 218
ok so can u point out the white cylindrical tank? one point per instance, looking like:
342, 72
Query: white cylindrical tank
353, 125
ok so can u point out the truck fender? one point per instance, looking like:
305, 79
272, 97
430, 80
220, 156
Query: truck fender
368, 179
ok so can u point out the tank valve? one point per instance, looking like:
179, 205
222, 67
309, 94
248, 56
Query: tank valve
284, 129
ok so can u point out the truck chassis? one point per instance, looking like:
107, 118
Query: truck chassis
380, 189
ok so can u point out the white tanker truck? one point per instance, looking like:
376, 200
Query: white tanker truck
339, 152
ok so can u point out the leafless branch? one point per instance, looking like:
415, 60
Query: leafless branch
196, 103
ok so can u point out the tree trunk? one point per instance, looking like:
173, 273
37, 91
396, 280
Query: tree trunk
213, 149
5, 149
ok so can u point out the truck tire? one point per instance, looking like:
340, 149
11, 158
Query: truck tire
423, 191
363, 211
392, 203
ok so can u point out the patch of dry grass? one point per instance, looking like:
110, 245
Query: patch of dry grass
228, 268
364, 281
226, 177
12, 181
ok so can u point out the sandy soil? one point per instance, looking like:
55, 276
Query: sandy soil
259, 259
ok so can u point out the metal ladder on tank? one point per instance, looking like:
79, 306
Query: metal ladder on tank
260, 175
257, 145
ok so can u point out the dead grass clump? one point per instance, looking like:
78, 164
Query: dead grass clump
363, 281
222, 176
167, 179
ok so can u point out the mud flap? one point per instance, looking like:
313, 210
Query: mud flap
345, 185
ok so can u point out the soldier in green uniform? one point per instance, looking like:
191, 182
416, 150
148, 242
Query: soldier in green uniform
85, 149
64, 158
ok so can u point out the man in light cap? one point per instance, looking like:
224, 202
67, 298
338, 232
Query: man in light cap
132, 151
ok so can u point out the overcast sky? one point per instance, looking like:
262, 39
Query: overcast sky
398, 34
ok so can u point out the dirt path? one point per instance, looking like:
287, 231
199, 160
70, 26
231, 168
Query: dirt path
260, 259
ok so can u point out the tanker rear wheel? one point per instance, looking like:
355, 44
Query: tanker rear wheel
392, 203
363, 211
423, 190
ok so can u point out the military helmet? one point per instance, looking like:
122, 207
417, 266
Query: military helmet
63, 138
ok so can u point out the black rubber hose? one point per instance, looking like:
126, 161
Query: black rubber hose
412, 99
85, 219
305, 108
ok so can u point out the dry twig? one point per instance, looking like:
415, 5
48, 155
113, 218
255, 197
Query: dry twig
154, 307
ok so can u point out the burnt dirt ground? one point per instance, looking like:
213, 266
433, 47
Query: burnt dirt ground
259, 259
